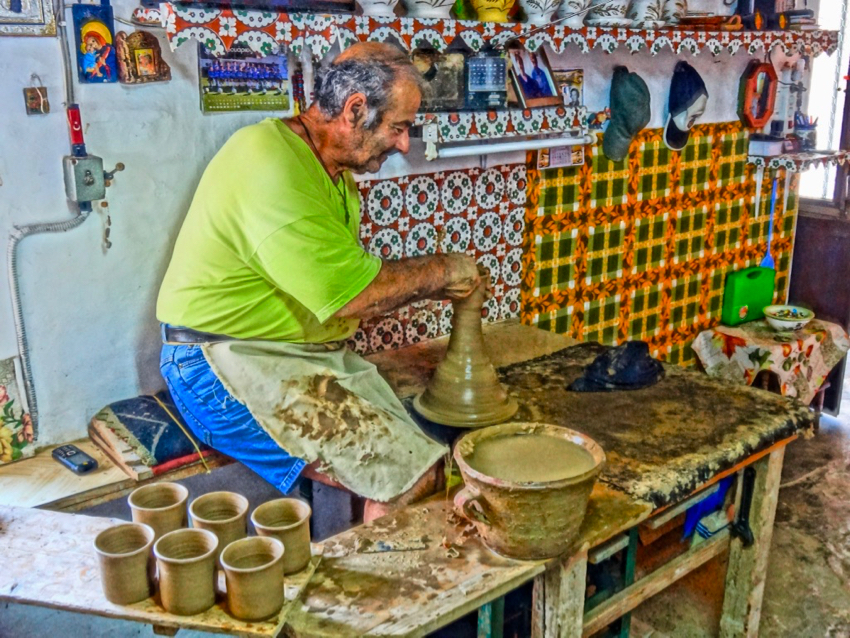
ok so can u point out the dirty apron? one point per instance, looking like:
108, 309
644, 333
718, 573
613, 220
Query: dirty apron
326, 403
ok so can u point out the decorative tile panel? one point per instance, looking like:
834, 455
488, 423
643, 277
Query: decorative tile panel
219, 29
481, 213
640, 249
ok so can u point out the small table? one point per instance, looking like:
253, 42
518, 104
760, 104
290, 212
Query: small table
800, 360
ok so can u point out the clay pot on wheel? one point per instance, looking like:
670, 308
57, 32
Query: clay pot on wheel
225, 514
253, 568
160, 505
532, 499
126, 564
185, 560
288, 520
465, 389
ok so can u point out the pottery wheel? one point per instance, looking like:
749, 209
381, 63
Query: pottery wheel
465, 390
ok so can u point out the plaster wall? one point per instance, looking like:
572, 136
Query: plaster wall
90, 314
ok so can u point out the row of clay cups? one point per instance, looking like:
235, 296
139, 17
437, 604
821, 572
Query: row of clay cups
186, 558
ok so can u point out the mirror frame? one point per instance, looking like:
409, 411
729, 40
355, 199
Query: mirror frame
747, 93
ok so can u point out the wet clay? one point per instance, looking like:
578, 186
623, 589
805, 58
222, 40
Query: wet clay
530, 458
465, 390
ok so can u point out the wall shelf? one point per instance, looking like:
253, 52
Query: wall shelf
264, 31
504, 125
799, 162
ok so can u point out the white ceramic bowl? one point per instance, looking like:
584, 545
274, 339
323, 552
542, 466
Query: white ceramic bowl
787, 318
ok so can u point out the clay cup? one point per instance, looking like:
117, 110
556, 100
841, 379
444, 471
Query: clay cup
185, 559
225, 514
253, 569
160, 505
126, 564
288, 520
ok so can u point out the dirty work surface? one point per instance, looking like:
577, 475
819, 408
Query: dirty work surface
378, 579
51, 562
663, 441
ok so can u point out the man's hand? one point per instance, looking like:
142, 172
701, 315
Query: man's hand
463, 276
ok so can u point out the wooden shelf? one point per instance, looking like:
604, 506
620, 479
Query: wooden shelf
799, 162
263, 32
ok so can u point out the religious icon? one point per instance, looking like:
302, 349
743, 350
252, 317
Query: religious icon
140, 58
144, 62
96, 53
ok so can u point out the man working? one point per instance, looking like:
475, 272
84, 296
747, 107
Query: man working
268, 255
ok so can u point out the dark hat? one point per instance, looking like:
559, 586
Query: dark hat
688, 96
630, 112
626, 367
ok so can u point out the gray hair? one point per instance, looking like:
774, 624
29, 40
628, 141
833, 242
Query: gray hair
373, 76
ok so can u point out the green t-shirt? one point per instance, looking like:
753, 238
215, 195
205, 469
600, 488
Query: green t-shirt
269, 248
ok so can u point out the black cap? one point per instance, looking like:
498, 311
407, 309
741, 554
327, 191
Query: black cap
686, 88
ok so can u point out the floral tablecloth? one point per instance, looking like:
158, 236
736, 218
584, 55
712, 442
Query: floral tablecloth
802, 360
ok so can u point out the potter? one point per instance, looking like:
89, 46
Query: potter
289, 283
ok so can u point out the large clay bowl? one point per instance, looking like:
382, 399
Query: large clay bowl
526, 520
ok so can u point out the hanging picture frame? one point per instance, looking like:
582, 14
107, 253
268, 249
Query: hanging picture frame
532, 78
140, 58
27, 17
95, 43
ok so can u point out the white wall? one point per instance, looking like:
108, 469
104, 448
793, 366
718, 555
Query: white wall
90, 316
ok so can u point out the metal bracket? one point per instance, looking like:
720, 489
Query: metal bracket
741, 527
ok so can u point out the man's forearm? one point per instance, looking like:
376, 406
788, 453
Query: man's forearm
399, 283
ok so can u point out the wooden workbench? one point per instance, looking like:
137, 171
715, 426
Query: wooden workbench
662, 444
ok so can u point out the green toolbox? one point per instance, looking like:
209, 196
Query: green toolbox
747, 292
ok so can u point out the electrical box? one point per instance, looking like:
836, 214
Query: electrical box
84, 179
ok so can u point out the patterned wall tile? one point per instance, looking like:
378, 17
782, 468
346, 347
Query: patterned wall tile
640, 249
481, 213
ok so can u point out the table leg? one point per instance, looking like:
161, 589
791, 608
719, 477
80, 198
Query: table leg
558, 608
747, 568
491, 619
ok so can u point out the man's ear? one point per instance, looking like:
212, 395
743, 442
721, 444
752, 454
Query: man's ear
355, 110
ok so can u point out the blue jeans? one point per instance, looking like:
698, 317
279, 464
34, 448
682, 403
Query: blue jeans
219, 420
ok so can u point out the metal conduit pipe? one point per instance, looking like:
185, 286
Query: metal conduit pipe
18, 233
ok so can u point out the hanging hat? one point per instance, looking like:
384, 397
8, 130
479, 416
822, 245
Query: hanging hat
630, 112
688, 97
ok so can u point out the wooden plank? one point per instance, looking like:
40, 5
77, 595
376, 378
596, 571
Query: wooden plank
40, 479
118, 451
745, 575
51, 563
625, 601
110, 492
558, 599
672, 512
608, 549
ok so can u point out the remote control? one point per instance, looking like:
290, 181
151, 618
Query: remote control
74, 459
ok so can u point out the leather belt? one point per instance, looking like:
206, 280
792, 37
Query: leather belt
172, 334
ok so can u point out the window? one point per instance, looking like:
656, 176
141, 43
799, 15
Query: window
826, 102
